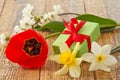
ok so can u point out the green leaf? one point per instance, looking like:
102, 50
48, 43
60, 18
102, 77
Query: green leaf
104, 22
54, 26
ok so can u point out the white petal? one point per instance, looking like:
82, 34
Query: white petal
62, 71
74, 71
98, 66
88, 57
94, 66
110, 60
55, 58
106, 49
64, 47
17, 29
78, 61
96, 48
104, 67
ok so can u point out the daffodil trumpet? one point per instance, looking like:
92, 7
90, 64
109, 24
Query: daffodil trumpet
69, 60
100, 57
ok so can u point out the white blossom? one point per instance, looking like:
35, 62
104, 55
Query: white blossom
68, 59
58, 9
52, 16
3, 38
27, 22
44, 21
27, 11
45, 16
17, 29
100, 57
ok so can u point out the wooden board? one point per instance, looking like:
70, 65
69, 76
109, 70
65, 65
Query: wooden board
10, 14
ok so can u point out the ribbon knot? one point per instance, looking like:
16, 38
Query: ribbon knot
73, 29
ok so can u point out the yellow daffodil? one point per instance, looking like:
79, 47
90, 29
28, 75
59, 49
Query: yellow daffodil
100, 59
67, 58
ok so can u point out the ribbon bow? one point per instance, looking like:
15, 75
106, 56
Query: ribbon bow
73, 31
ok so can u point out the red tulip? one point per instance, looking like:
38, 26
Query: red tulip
29, 49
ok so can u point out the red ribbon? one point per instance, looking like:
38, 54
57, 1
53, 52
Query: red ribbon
73, 31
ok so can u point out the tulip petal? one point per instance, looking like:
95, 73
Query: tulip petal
55, 58
106, 49
110, 60
64, 47
96, 48
88, 57
75, 71
62, 71
78, 61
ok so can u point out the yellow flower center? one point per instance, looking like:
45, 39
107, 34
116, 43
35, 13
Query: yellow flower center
100, 58
67, 58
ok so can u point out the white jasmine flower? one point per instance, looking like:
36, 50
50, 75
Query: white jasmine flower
3, 38
67, 58
45, 16
17, 29
27, 10
101, 58
44, 21
27, 23
52, 16
57, 9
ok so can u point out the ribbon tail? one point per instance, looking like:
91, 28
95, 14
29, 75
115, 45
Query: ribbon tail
86, 37
69, 41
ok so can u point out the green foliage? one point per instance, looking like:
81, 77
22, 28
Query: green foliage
53, 26
104, 22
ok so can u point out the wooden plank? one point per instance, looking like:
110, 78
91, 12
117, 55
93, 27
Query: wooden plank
113, 12
6, 16
6, 20
2, 2
97, 7
11, 71
113, 9
9, 17
47, 72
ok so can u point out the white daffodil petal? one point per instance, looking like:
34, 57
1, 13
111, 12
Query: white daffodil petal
94, 66
88, 57
104, 67
74, 71
110, 60
64, 47
78, 61
54, 58
62, 71
96, 48
106, 49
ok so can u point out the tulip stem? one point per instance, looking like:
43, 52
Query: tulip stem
52, 35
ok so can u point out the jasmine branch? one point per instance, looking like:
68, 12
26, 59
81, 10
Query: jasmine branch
69, 13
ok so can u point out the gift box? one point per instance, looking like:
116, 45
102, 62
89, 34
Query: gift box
86, 33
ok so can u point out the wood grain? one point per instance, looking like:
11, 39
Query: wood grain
113, 12
2, 3
10, 14
98, 8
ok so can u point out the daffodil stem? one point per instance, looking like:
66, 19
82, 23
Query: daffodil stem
116, 49
52, 35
